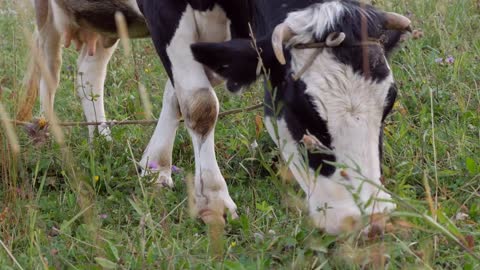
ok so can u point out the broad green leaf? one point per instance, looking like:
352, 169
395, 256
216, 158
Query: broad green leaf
471, 166
106, 264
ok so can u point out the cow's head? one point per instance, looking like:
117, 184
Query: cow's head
338, 96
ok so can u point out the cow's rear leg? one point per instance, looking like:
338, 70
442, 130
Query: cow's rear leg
157, 158
92, 70
49, 45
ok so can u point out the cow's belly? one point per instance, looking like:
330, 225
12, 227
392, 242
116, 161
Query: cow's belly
98, 16
213, 25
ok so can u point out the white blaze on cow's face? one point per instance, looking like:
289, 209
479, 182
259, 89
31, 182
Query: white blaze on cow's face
352, 105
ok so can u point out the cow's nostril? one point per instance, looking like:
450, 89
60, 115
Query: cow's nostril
378, 224
375, 231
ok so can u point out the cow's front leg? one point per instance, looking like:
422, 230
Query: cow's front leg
157, 158
92, 70
200, 108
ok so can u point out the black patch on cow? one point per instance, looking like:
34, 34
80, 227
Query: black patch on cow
237, 60
163, 18
350, 53
390, 100
240, 14
387, 108
297, 109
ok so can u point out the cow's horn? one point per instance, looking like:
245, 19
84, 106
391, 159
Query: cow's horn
282, 34
395, 21
335, 39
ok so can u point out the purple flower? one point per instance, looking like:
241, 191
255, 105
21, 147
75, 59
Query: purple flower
450, 59
153, 165
103, 216
438, 60
176, 169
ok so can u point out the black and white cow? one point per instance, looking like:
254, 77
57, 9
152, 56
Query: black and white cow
340, 96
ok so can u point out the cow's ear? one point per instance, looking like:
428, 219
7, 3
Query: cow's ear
235, 60
392, 40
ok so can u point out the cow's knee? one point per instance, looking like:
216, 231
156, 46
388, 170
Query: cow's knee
201, 111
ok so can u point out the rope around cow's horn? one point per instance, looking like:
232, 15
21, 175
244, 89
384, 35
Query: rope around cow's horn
137, 122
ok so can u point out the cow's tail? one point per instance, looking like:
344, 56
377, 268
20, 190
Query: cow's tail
32, 77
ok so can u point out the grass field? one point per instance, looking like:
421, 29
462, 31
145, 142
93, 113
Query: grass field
91, 211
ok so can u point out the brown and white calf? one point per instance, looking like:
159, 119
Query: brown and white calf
340, 94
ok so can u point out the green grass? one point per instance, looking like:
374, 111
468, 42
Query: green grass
120, 222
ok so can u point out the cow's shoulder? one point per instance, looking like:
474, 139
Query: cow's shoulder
202, 4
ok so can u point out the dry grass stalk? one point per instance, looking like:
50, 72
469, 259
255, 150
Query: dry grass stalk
147, 104
29, 97
85, 194
32, 77
122, 30
9, 131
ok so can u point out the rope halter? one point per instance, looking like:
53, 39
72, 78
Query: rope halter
334, 39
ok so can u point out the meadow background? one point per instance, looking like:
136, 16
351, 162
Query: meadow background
82, 206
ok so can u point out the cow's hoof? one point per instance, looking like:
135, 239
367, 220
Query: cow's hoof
164, 180
377, 225
214, 212
105, 132
212, 217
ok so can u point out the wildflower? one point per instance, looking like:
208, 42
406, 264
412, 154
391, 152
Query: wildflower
259, 236
176, 169
450, 60
38, 131
233, 244
254, 145
103, 216
42, 122
147, 70
460, 216
96, 178
439, 60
